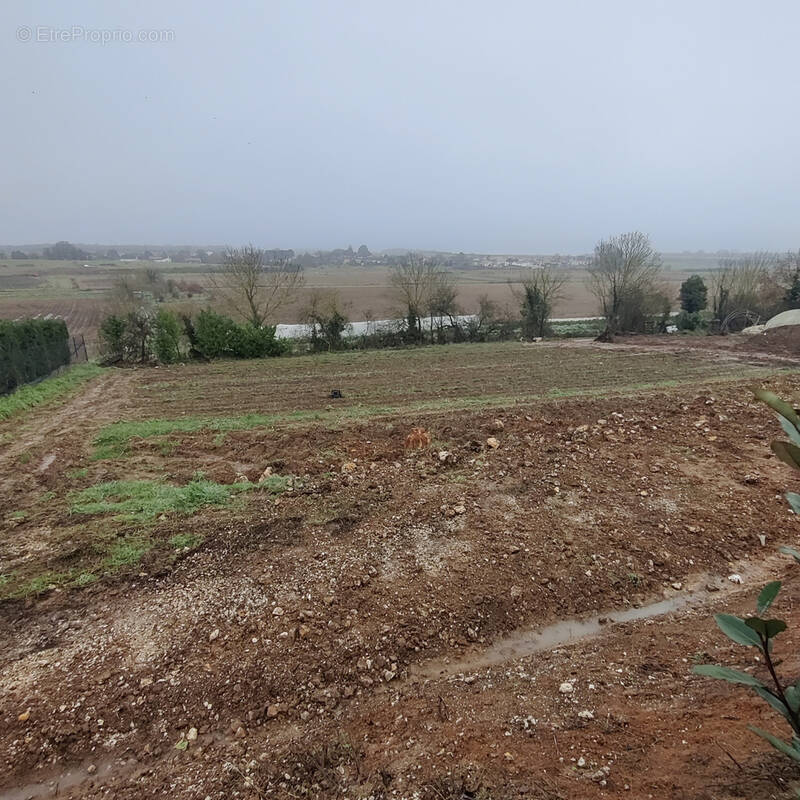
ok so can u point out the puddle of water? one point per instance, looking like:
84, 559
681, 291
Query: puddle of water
528, 641
46, 462
62, 782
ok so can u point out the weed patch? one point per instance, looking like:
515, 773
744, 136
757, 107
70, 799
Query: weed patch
139, 501
183, 540
126, 552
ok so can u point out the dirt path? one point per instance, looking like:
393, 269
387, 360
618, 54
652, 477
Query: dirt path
44, 432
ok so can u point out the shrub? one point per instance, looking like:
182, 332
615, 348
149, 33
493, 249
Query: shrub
31, 349
686, 321
247, 341
167, 337
217, 336
694, 295
112, 337
212, 334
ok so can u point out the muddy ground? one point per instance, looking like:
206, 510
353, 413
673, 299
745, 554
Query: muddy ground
382, 628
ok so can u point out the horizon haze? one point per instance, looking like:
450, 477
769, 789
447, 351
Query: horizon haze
524, 129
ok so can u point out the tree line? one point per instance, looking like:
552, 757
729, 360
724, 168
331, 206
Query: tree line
251, 285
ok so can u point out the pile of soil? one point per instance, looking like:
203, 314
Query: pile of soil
780, 341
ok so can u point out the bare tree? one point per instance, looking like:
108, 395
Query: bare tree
787, 274
442, 304
624, 272
327, 321
744, 288
538, 292
254, 288
415, 280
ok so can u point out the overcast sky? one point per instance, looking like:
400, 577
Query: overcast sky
493, 127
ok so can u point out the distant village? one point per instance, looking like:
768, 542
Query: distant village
361, 256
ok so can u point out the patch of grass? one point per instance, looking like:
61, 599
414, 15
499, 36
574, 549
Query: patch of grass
139, 501
75, 474
46, 497
17, 515
127, 551
28, 397
43, 583
181, 540
85, 579
24, 458
166, 447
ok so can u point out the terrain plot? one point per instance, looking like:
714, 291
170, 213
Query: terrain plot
219, 582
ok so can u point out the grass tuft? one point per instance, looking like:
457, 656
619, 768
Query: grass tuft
138, 501
126, 552
182, 540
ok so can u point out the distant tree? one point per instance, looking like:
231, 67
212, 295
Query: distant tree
788, 276
18, 255
485, 323
623, 273
744, 284
413, 280
64, 251
363, 251
253, 288
139, 327
693, 294
442, 305
2, 253
327, 322
540, 290
112, 337
167, 337
112, 254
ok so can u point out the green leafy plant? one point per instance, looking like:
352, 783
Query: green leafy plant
788, 452
755, 631
758, 632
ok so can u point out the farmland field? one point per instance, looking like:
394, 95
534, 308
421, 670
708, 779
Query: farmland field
217, 581
77, 292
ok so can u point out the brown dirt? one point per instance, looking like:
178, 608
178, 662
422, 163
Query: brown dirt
302, 637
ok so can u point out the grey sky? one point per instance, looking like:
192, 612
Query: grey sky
502, 127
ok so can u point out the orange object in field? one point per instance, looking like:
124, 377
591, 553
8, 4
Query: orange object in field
418, 439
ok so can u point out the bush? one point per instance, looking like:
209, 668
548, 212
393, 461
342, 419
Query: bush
167, 337
686, 321
212, 334
217, 336
694, 295
31, 349
112, 338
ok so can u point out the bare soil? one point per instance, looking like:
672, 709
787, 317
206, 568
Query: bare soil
383, 629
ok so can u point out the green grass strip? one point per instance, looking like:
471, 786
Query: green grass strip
48, 390
143, 500
112, 440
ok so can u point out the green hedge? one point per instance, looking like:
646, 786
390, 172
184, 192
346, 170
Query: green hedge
31, 349
216, 336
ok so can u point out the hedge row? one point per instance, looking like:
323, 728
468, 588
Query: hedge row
31, 349
143, 336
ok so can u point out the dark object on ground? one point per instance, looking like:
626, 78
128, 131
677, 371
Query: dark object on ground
605, 336
336, 394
